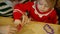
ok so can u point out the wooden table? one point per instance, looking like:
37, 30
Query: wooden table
40, 28
32, 27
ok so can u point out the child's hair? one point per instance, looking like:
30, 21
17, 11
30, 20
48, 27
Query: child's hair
51, 3
57, 5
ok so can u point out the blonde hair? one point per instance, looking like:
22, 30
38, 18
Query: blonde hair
51, 3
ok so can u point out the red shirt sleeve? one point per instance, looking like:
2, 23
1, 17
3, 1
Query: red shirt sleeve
54, 17
18, 11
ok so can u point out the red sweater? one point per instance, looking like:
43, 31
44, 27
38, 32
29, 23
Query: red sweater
48, 17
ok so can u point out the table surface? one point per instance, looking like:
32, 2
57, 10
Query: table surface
38, 28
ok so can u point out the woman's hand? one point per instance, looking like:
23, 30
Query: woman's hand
12, 30
17, 26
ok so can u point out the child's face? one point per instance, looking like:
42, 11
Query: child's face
43, 5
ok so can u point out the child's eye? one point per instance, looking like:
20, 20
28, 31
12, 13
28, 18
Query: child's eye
46, 6
41, 4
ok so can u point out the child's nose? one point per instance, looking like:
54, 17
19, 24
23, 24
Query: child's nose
43, 6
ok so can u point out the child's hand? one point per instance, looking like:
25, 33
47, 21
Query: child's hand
17, 22
25, 19
19, 27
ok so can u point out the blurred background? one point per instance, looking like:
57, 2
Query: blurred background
6, 15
